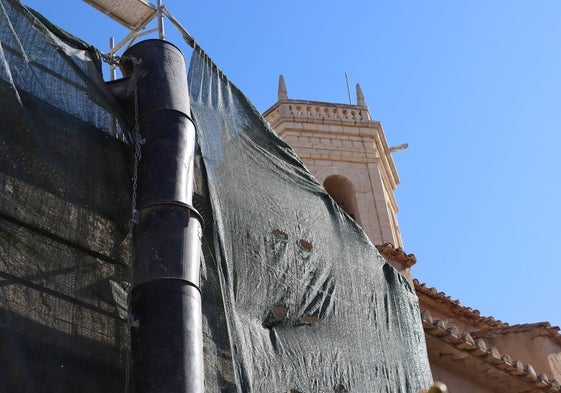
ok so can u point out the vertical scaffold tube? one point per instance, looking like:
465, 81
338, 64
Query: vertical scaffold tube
166, 328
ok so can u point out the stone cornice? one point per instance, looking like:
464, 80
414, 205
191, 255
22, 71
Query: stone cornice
315, 111
349, 119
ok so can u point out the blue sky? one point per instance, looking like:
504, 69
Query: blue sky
474, 88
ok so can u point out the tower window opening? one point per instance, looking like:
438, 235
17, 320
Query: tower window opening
342, 191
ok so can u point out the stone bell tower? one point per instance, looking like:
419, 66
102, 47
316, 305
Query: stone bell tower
348, 153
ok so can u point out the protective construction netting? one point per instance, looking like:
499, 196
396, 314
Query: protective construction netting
64, 210
295, 298
310, 305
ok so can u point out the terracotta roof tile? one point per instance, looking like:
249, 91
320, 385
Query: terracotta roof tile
398, 255
448, 335
536, 329
454, 307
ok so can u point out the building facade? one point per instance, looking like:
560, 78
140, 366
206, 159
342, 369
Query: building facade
347, 151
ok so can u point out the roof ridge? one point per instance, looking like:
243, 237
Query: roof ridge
538, 329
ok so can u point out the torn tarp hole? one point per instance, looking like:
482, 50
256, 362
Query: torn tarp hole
275, 316
309, 319
281, 235
279, 312
305, 245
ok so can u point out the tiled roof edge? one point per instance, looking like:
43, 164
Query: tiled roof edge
479, 348
397, 255
538, 329
457, 309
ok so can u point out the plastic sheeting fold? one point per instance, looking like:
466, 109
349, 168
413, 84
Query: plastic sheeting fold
310, 304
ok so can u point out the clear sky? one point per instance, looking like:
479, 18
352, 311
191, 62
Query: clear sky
474, 88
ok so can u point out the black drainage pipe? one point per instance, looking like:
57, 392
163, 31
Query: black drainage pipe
166, 317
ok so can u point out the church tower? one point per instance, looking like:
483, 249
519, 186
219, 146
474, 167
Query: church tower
348, 153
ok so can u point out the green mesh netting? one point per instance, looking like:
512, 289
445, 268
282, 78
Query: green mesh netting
64, 209
310, 305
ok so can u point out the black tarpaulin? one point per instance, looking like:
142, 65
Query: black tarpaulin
64, 210
310, 305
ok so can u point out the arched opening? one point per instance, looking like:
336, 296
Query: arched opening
342, 191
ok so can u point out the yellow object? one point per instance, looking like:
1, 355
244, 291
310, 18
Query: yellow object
438, 387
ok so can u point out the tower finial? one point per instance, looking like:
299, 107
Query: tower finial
282, 93
360, 101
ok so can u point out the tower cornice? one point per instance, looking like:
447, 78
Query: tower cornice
335, 138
